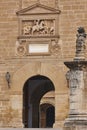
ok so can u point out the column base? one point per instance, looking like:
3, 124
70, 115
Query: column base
58, 124
83, 127
76, 122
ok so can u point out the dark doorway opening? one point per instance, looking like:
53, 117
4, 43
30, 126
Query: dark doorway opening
47, 116
34, 89
50, 117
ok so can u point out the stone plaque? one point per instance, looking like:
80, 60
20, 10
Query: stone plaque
38, 48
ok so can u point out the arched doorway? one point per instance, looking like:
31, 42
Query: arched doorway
34, 89
47, 115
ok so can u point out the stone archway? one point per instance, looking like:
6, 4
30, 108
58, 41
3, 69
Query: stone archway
34, 89
23, 74
47, 115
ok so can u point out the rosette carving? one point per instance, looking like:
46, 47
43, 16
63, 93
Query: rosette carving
21, 50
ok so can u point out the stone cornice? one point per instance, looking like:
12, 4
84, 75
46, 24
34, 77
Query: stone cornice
25, 11
76, 64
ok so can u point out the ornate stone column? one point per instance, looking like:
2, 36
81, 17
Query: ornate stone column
77, 118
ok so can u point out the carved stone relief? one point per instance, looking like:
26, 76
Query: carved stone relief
38, 27
54, 48
20, 49
75, 79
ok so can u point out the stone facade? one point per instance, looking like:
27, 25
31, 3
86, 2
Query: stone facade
22, 66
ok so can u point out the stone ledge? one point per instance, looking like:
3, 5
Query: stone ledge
31, 128
76, 64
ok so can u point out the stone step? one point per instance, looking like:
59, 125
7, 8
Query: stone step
31, 128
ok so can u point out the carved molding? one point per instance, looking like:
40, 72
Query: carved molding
38, 8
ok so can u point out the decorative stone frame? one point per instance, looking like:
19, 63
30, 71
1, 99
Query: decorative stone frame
46, 20
43, 33
39, 43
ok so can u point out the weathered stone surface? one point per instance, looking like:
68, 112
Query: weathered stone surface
75, 77
21, 68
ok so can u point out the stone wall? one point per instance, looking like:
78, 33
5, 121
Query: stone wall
73, 14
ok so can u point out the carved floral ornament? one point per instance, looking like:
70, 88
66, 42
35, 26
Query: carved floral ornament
21, 50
